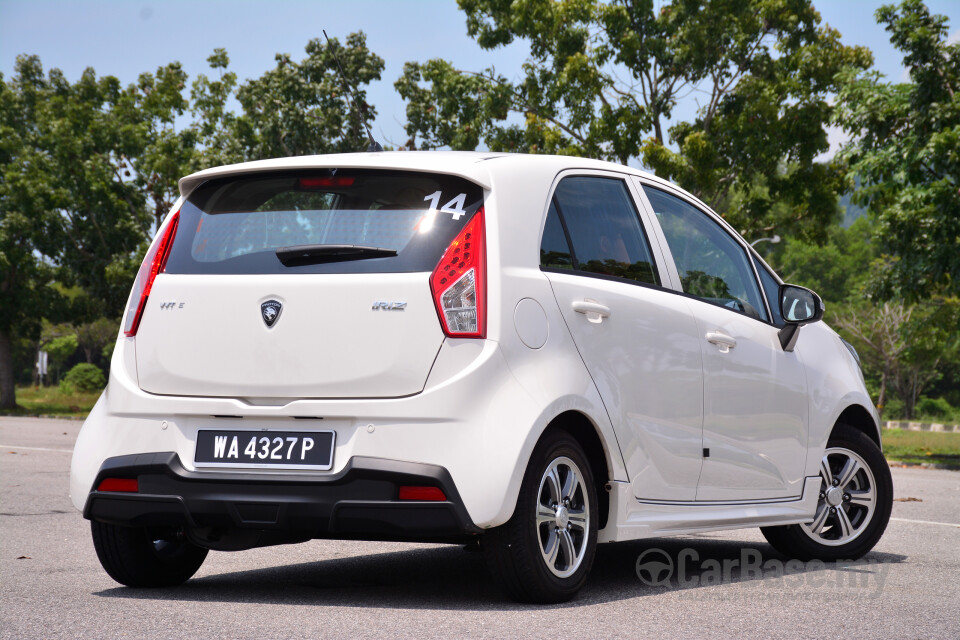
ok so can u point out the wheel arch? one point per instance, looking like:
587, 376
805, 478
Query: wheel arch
859, 418
582, 429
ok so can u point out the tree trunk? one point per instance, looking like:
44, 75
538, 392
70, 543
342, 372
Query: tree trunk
8, 397
882, 400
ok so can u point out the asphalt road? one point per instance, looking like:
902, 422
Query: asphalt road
722, 585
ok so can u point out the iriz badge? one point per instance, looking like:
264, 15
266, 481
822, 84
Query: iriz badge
270, 311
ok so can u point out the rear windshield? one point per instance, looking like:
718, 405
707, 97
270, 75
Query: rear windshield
237, 224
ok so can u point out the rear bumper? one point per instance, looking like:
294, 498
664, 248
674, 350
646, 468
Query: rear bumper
243, 510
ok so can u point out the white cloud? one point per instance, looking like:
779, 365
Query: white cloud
954, 37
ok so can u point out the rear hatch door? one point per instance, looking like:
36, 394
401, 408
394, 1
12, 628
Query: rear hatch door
305, 284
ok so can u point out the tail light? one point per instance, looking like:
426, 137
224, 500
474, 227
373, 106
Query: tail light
431, 494
119, 485
153, 263
459, 283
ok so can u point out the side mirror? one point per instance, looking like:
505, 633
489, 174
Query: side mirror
798, 306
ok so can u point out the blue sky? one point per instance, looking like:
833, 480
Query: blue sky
125, 38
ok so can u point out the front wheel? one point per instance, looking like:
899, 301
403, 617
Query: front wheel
856, 496
146, 556
544, 552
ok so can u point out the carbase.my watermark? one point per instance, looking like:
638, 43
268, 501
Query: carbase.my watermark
658, 568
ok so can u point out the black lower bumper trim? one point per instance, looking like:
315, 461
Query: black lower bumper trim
216, 507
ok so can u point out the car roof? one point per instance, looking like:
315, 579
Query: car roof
476, 166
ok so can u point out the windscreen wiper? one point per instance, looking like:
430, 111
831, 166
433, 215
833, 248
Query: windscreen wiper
304, 254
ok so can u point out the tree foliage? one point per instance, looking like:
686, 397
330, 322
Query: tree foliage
604, 80
89, 168
906, 151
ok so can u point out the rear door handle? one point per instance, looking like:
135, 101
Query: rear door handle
594, 311
722, 340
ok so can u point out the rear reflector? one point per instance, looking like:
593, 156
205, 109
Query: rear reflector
432, 494
459, 283
327, 181
153, 263
121, 485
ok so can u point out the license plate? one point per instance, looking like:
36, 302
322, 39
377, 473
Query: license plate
277, 449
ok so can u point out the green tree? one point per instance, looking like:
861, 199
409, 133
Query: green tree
837, 269
94, 336
301, 108
904, 345
27, 220
60, 343
906, 152
82, 178
603, 76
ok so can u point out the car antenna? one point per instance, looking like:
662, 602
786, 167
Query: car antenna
374, 145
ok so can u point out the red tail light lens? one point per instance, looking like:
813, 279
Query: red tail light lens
431, 494
153, 263
459, 283
120, 485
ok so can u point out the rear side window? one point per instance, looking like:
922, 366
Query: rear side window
597, 217
237, 225
555, 248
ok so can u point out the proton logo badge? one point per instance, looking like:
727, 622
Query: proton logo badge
270, 311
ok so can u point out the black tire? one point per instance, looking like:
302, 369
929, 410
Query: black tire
145, 557
513, 550
798, 541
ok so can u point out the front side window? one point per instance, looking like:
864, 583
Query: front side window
712, 265
597, 217
771, 289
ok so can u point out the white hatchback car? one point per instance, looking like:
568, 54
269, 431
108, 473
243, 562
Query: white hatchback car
537, 353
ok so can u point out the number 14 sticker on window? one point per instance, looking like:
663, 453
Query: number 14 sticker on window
453, 207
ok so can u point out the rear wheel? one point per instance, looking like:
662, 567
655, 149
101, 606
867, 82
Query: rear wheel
146, 556
856, 496
544, 552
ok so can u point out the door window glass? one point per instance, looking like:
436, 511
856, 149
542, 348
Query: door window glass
712, 265
554, 248
771, 289
604, 228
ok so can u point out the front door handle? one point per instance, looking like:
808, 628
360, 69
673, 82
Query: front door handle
722, 340
594, 311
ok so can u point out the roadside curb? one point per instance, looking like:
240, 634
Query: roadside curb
922, 465
922, 426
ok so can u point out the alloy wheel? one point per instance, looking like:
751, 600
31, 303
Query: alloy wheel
563, 517
848, 498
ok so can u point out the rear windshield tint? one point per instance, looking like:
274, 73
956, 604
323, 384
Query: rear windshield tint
235, 225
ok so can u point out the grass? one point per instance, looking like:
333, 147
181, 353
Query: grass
914, 447
34, 401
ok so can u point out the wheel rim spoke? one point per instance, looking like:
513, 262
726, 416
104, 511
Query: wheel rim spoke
553, 485
578, 519
821, 518
850, 468
566, 544
570, 485
545, 515
863, 498
846, 527
825, 472
552, 548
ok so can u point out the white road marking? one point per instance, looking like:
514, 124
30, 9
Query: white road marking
942, 524
14, 446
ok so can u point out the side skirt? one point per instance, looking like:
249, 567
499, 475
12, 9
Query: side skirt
631, 519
